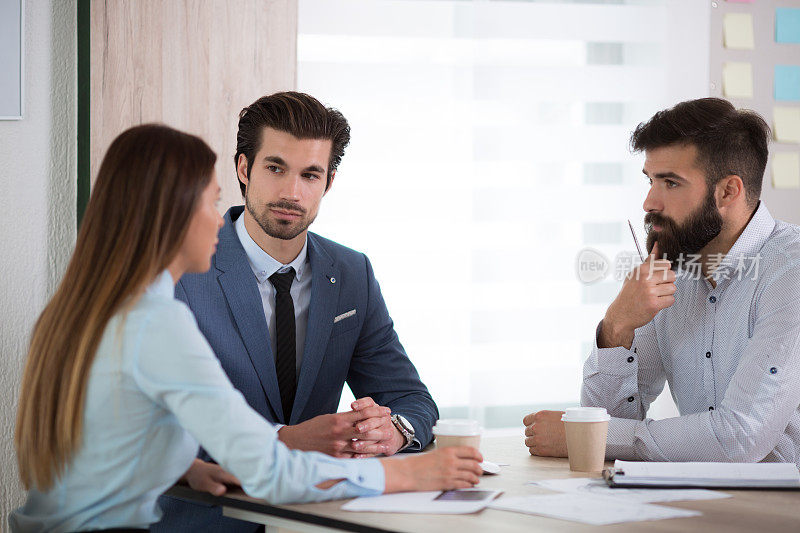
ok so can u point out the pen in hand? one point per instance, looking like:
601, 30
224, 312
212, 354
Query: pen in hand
636, 241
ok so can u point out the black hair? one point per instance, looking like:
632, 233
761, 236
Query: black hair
729, 141
298, 114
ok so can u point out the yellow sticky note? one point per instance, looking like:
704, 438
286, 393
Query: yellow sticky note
737, 80
786, 170
787, 124
737, 31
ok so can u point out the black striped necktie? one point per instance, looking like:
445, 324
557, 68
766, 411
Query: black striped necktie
286, 357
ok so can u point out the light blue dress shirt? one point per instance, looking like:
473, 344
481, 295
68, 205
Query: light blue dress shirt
730, 353
264, 266
155, 390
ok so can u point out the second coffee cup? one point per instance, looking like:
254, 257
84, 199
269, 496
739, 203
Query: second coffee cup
586, 430
457, 432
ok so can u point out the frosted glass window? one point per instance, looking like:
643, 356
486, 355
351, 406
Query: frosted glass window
604, 53
604, 112
489, 147
602, 232
600, 173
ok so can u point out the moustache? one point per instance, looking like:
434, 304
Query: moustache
656, 219
287, 206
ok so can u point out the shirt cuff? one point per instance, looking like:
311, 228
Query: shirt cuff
616, 361
367, 476
621, 438
415, 446
360, 477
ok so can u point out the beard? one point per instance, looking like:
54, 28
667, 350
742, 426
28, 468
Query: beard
279, 229
677, 241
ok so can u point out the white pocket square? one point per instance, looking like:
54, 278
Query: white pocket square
344, 315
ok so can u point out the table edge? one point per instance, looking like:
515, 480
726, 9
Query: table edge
187, 493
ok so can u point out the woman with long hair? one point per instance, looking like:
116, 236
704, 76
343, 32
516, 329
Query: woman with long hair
120, 386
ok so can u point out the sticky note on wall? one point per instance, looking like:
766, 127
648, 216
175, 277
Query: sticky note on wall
787, 124
787, 25
737, 31
786, 170
787, 82
737, 80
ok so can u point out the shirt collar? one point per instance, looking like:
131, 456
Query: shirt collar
162, 285
747, 247
263, 264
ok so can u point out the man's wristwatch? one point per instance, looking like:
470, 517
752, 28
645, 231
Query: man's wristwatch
405, 428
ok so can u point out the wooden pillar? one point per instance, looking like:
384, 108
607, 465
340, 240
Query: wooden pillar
191, 64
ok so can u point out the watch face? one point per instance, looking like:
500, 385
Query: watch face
405, 424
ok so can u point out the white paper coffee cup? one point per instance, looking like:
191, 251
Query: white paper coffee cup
457, 432
586, 430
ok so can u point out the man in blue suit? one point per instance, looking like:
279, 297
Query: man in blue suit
291, 315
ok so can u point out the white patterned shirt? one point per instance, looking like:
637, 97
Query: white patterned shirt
730, 353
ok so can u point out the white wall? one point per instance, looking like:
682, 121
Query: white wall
37, 205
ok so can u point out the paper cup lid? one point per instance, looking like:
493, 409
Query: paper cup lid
457, 427
585, 414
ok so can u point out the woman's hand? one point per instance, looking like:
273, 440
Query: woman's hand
209, 477
456, 467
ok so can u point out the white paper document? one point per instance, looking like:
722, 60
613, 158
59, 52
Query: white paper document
598, 487
437, 502
588, 509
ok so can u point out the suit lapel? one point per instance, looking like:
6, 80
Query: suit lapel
240, 288
325, 284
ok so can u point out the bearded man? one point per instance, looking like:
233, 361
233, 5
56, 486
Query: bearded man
714, 310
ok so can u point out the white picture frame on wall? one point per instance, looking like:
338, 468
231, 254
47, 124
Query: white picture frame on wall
12, 59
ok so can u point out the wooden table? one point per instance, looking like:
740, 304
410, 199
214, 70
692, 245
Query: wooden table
746, 512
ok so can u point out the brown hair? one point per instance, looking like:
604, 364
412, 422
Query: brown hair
298, 114
728, 141
146, 190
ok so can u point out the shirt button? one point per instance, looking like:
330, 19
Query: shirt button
712, 299
630, 359
773, 370
634, 350
631, 398
708, 355
711, 408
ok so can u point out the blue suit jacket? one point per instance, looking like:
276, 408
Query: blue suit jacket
362, 349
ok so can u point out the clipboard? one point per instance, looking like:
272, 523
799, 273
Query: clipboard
616, 478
